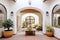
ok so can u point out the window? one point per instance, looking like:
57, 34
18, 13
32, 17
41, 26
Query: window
30, 20
56, 19
3, 14
59, 20
1, 18
56, 16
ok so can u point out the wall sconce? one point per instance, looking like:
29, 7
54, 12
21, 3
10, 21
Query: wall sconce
47, 13
29, 2
11, 13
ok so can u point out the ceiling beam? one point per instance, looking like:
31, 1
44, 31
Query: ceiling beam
44, 0
14, 0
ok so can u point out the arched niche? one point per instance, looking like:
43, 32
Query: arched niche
3, 13
56, 15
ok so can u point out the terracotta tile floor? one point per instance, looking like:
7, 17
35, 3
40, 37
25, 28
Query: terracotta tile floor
36, 37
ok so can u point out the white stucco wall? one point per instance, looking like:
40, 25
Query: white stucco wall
43, 6
57, 32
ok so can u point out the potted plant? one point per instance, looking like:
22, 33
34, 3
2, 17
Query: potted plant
35, 25
49, 31
29, 28
39, 28
24, 24
29, 31
7, 24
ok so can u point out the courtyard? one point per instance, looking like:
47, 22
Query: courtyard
30, 20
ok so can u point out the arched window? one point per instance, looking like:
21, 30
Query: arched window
56, 16
3, 14
1, 18
30, 20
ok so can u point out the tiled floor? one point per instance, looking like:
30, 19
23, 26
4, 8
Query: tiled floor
37, 37
21, 36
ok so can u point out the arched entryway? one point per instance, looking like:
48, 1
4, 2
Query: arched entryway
3, 14
29, 12
56, 20
56, 15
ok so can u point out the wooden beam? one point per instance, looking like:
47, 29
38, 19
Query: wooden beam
14, 0
44, 0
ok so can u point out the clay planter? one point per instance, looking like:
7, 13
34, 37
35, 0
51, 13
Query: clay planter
50, 34
8, 34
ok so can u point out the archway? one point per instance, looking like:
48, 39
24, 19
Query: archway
56, 15
29, 10
56, 20
3, 14
31, 18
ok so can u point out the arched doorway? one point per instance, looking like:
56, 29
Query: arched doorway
56, 20
3, 14
56, 16
29, 11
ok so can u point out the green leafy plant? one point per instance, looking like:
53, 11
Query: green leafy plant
24, 24
49, 29
39, 28
30, 28
36, 25
7, 24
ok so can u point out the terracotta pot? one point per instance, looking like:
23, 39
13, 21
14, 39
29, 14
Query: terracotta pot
8, 34
50, 34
